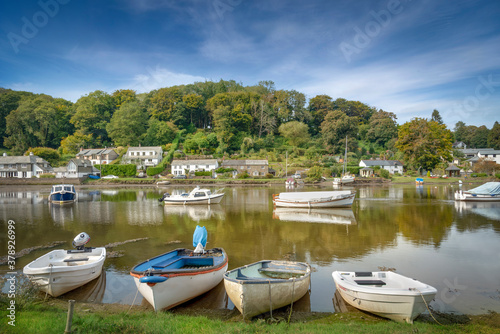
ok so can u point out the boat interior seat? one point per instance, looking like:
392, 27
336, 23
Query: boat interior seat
370, 282
282, 271
242, 277
363, 274
76, 260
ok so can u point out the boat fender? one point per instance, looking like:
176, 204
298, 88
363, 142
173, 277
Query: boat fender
152, 279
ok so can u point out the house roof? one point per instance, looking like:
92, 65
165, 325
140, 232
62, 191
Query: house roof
97, 151
245, 163
22, 159
146, 148
452, 167
482, 152
194, 162
81, 162
474, 150
372, 163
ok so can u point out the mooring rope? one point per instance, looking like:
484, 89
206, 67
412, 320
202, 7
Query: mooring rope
293, 296
134, 299
428, 309
50, 279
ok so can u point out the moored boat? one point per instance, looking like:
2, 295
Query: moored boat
419, 180
60, 271
196, 196
62, 193
488, 192
384, 293
314, 199
345, 179
267, 285
175, 277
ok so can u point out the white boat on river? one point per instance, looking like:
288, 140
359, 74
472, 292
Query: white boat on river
314, 199
60, 271
196, 197
488, 192
384, 293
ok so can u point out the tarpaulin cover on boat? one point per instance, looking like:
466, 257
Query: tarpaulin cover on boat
200, 236
489, 188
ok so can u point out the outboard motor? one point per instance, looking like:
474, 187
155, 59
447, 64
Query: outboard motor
80, 241
165, 195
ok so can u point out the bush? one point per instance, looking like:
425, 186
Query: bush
118, 170
479, 175
222, 170
202, 173
385, 174
243, 175
47, 176
51, 155
269, 176
154, 170
497, 176
354, 169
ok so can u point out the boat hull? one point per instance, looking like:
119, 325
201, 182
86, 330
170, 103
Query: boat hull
402, 305
178, 200
179, 285
254, 297
321, 201
61, 198
63, 276
468, 197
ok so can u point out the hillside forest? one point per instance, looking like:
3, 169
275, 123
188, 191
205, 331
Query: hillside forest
226, 118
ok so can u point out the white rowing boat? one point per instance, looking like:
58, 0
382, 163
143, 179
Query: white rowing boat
314, 199
384, 293
196, 197
60, 271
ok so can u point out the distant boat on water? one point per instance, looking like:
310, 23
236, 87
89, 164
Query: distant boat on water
488, 192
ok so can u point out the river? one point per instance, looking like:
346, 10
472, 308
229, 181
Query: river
417, 230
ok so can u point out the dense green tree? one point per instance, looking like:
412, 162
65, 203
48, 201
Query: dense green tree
163, 101
335, 128
354, 109
39, 120
494, 137
195, 112
159, 133
47, 153
128, 124
436, 117
122, 96
92, 114
228, 122
199, 142
296, 133
460, 131
319, 107
73, 143
264, 120
479, 136
424, 143
9, 101
382, 127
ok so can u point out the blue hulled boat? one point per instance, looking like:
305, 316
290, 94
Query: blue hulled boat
62, 193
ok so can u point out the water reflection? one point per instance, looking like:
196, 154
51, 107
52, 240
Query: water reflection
92, 292
420, 231
326, 216
196, 212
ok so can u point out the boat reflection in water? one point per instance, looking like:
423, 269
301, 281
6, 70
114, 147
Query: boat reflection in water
62, 213
490, 210
196, 212
325, 216
92, 292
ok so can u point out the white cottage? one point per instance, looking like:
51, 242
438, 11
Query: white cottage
393, 166
144, 156
179, 167
23, 166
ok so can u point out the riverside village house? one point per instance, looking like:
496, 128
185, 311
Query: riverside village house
98, 156
27, 166
179, 167
252, 167
143, 157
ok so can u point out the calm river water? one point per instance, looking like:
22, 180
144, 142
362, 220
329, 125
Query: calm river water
419, 231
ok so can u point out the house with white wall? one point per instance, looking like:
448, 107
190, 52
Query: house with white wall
98, 156
144, 156
179, 167
26, 166
393, 166
77, 168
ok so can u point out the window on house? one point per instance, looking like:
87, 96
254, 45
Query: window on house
242, 167
23, 165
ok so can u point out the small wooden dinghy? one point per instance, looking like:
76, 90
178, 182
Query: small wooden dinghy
384, 293
60, 271
267, 285
175, 277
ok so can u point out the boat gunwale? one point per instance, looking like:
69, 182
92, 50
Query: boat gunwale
179, 272
381, 290
268, 280
62, 269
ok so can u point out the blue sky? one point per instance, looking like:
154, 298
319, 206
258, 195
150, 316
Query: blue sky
404, 56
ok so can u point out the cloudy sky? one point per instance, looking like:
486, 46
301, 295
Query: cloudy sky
404, 56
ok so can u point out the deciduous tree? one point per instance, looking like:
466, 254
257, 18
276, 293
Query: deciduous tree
335, 128
128, 124
296, 133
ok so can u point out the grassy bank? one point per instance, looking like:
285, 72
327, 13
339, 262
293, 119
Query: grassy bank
50, 317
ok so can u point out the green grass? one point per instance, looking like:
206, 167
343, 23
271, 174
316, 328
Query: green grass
52, 319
